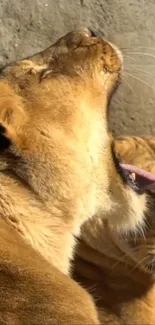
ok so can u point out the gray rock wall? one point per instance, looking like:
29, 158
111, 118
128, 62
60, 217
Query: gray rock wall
27, 26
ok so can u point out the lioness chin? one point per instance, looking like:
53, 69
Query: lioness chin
57, 169
119, 269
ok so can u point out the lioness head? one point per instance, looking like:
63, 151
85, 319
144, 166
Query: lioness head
140, 249
53, 108
57, 166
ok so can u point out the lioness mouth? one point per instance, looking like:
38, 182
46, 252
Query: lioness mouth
138, 179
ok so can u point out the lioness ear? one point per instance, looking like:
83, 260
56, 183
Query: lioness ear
12, 117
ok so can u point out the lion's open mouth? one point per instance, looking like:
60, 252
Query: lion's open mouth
138, 179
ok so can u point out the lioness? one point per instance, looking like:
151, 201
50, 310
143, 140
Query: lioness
119, 270
57, 169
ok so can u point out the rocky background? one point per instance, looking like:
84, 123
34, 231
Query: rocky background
28, 26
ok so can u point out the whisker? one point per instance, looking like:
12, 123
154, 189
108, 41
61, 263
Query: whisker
128, 57
142, 71
142, 233
138, 248
141, 53
140, 262
144, 82
138, 47
150, 65
152, 265
122, 259
127, 84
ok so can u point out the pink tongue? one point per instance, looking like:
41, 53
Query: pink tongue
145, 180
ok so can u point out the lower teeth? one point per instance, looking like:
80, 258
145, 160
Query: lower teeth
133, 176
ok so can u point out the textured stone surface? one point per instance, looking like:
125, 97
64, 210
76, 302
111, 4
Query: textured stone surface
27, 26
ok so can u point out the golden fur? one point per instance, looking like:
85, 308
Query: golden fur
119, 269
56, 167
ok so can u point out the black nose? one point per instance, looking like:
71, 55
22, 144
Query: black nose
93, 34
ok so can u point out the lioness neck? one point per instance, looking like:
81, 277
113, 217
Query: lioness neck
40, 227
49, 218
